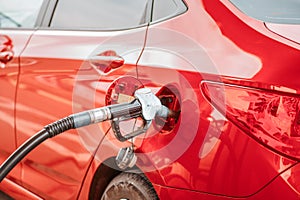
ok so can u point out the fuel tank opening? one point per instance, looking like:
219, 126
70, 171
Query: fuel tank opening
169, 97
122, 90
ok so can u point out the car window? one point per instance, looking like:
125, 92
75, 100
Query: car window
276, 11
164, 9
100, 14
19, 13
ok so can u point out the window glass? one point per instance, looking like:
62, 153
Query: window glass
276, 11
164, 9
19, 13
100, 14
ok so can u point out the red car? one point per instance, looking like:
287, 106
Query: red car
230, 67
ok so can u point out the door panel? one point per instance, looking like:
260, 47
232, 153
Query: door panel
58, 78
8, 82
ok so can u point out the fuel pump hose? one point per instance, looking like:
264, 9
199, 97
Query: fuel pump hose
145, 105
129, 110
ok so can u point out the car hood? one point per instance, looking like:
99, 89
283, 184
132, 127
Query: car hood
289, 31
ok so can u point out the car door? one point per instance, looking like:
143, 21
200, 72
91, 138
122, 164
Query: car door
68, 66
16, 26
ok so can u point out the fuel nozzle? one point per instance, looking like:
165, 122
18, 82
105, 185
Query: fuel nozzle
145, 105
149, 107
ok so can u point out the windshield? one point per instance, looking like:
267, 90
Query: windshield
274, 11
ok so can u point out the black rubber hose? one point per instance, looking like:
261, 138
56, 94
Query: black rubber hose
49, 131
22, 151
126, 110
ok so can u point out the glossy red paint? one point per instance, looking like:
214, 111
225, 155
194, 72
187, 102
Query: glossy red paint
235, 49
204, 155
14, 41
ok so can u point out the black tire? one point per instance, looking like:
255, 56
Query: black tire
129, 186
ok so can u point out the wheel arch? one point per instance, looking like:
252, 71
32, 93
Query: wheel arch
107, 171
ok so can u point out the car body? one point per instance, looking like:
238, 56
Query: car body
232, 75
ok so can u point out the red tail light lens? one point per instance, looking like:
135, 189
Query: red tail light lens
270, 117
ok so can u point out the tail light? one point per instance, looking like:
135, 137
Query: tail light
270, 117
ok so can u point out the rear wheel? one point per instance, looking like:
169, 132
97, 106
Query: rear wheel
129, 186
